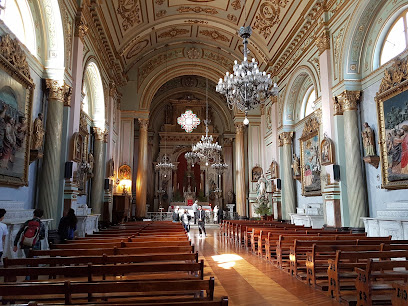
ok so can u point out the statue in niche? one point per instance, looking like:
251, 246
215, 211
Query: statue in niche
91, 163
261, 186
368, 140
38, 133
296, 165
111, 168
168, 114
230, 197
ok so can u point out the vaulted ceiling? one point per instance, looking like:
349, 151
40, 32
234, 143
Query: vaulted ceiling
139, 27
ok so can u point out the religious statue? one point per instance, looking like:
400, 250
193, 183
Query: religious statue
261, 186
230, 197
111, 168
368, 140
90, 162
38, 133
296, 165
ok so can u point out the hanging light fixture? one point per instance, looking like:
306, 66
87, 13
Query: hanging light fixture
192, 158
206, 149
165, 167
247, 86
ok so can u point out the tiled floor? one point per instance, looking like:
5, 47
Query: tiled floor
247, 279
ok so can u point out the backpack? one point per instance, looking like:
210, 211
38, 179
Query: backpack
31, 233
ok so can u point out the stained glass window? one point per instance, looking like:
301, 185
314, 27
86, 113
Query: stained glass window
188, 121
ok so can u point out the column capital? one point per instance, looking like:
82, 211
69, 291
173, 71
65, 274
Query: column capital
285, 138
144, 123
67, 95
80, 26
323, 42
350, 99
56, 89
99, 133
239, 127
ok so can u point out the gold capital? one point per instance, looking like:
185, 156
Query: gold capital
144, 123
350, 100
286, 138
67, 95
80, 26
99, 133
56, 89
323, 42
239, 127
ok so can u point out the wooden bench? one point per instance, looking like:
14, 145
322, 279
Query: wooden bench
91, 271
341, 271
374, 284
112, 251
128, 239
143, 244
400, 296
132, 291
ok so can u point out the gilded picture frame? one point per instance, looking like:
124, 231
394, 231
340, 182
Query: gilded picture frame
16, 99
256, 173
327, 152
392, 114
310, 158
274, 169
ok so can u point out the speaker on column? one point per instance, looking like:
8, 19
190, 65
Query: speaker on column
68, 170
279, 184
336, 173
106, 185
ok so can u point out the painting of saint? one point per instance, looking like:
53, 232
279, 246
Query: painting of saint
311, 166
396, 131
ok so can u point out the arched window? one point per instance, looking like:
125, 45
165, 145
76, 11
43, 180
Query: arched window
308, 102
18, 18
396, 40
94, 103
85, 106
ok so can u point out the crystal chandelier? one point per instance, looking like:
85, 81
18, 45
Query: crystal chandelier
219, 167
246, 87
192, 158
165, 167
206, 149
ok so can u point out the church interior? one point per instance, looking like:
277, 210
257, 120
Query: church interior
273, 119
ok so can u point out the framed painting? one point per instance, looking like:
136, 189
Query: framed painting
310, 158
327, 151
274, 169
392, 111
256, 173
16, 94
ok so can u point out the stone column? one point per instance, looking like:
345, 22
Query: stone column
288, 184
51, 177
141, 179
240, 170
97, 192
356, 189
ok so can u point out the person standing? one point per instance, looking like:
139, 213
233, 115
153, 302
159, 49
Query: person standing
215, 211
67, 226
33, 231
195, 207
185, 219
3, 231
176, 217
201, 220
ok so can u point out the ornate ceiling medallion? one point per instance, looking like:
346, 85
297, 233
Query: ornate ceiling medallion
268, 16
214, 35
188, 121
129, 11
173, 32
197, 9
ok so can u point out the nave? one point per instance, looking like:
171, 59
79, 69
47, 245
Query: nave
248, 279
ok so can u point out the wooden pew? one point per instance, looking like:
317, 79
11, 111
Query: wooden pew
111, 251
143, 244
341, 271
91, 271
128, 239
73, 292
374, 284
400, 296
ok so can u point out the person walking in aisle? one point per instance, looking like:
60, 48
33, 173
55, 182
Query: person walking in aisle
195, 207
185, 219
201, 220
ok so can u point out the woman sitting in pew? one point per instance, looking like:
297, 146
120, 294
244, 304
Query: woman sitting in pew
67, 226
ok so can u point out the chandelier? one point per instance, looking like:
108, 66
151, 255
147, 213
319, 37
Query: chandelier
246, 87
192, 158
206, 149
219, 167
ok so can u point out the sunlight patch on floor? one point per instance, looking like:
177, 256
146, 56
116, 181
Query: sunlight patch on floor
226, 261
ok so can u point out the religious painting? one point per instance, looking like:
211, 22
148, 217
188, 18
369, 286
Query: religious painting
16, 93
256, 173
77, 141
392, 109
274, 169
125, 173
310, 159
327, 151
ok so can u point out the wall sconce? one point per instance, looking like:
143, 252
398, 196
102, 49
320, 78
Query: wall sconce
126, 185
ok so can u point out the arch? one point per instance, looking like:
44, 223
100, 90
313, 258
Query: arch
302, 77
306, 100
94, 86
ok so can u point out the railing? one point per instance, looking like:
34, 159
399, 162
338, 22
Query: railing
160, 216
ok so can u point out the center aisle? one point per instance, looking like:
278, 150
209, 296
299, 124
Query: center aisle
247, 279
